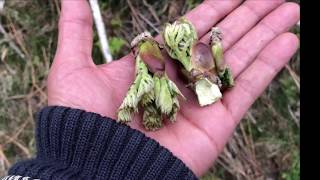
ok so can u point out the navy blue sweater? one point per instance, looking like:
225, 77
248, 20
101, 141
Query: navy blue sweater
74, 144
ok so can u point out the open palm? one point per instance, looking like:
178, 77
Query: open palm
256, 47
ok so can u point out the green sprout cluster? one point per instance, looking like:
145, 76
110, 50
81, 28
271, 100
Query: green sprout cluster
152, 91
179, 38
203, 66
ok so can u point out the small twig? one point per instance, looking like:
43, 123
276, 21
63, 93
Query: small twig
149, 23
22, 96
152, 11
44, 95
295, 119
57, 6
1, 5
29, 107
253, 150
35, 85
46, 59
101, 30
4, 158
273, 110
136, 24
17, 133
3, 59
11, 43
135, 16
164, 9
294, 76
244, 135
251, 118
13, 139
28, 96
19, 145
223, 164
19, 39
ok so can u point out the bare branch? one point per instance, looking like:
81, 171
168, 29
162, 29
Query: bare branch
1, 5
9, 40
101, 30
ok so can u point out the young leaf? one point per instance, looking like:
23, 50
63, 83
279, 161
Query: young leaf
179, 38
164, 98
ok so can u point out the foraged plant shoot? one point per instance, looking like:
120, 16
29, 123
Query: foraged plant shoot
152, 90
203, 66
224, 72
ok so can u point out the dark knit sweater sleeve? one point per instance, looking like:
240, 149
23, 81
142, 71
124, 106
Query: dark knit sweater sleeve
74, 144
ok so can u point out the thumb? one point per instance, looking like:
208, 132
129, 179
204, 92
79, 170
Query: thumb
75, 33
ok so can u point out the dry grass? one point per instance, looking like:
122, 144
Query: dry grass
265, 145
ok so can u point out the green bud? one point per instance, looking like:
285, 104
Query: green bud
125, 114
152, 89
175, 108
224, 72
217, 52
143, 84
226, 78
130, 102
146, 81
131, 99
166, 93
151, 48
140, 66
147, 99
146, 85
152, 119
149, 51
157, 87
164, 99
179, 38
196, 57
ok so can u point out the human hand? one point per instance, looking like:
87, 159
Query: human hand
256, 43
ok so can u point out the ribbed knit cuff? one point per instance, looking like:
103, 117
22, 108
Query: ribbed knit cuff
74, 144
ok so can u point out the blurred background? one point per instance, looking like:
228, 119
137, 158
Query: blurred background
265, 145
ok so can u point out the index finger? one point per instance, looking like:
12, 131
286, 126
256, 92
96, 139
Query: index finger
207, 14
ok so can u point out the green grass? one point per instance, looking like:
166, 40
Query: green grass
266, 144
